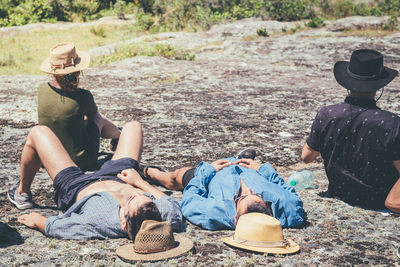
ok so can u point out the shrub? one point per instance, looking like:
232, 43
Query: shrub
289, 10
31, 11
391, 24
315, 22
262, 32
84, 9
144, 21
172, 15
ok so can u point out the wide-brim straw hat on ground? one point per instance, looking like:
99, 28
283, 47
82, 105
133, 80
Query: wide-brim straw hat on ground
261, 233
65, 59
154, 242
364, 73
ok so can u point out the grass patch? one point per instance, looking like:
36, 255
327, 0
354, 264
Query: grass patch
365, 33
22, 53
98, 31
251, 37
143, 49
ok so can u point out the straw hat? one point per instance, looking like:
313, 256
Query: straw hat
155, 242
262, 233
65, 59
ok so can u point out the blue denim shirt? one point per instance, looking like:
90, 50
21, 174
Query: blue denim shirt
208, 198
97, 217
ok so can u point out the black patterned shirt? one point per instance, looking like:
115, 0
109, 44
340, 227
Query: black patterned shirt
367, 151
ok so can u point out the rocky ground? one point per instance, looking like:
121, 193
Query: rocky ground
242, 90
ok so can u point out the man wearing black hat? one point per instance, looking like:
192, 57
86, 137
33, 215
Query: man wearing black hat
359, 142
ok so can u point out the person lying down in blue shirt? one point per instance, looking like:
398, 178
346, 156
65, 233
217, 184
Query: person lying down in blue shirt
216, 195
109, 203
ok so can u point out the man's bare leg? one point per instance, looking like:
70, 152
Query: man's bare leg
42, 147
170, 180
130, 142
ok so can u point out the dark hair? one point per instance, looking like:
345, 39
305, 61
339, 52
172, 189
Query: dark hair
147, 211
68, 81
257, 207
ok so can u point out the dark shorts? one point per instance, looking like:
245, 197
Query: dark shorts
70, 181
187, 176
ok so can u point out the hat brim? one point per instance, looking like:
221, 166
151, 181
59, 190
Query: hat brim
292, 247
81, 63
127, 254
350, 83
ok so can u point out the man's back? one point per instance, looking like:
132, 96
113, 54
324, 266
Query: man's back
370, 144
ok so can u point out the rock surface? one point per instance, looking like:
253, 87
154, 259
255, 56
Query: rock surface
239, 92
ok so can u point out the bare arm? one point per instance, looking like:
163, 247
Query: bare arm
34, 220
132, 177
393, 198
308, 155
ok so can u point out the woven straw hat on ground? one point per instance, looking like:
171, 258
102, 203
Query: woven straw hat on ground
155, 241
65, 59
262, 233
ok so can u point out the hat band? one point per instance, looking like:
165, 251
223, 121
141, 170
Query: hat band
262, 244
63, 65
149, 251
362, 77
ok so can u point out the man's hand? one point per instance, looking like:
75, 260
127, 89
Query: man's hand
130, 176
33, 220
220, 164
248, 163
308, 155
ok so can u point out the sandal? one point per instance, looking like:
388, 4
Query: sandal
143, 169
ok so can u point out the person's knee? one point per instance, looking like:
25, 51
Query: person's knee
133, 126
38, 131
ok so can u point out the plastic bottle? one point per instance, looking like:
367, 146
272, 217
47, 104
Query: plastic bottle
302, 180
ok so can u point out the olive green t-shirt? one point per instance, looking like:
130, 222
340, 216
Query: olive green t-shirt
63, 112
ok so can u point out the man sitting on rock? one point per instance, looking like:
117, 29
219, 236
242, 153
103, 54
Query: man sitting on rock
109, 203
216, 195
359, 142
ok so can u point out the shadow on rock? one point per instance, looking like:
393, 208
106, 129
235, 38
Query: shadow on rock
9, 236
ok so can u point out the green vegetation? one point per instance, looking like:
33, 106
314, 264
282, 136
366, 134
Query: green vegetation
315, 22
143, 49
172, 15
262, 32
23, 52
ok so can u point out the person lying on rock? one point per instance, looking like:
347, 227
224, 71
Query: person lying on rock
109, 203
69, 111
359, 142
216, 195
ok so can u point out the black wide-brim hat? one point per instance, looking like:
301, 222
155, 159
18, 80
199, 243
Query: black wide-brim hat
364, 73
